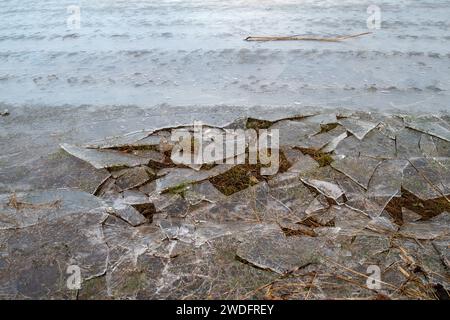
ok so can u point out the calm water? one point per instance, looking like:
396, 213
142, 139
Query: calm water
183, 52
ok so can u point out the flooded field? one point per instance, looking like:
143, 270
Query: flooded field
142, 52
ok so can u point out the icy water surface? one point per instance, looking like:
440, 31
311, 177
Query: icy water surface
147, 52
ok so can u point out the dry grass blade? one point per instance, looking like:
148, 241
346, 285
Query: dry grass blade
359, 273
18, 205
304, 38
311, 286
249, 294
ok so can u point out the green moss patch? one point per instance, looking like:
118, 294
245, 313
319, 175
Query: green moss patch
324, 159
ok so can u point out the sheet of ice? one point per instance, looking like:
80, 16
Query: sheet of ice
359, 128
104, 158
359, 169
279, 253
176, 177
23, 210
431, 125
328, 189
435, 228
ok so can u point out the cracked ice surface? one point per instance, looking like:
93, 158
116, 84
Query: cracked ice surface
356, 190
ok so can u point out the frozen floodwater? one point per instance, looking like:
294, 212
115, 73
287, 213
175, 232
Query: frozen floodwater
143, 52
90, 178
153, 229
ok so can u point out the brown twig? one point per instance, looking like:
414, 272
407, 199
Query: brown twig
304, 38
18, 205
